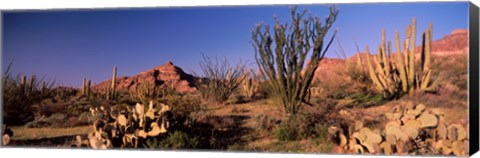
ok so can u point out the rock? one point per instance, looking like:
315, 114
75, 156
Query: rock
166, 75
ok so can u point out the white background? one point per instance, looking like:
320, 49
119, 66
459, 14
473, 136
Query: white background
76, 4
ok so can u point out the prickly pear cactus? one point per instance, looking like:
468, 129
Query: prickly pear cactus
7, 135
411, 129
127, 127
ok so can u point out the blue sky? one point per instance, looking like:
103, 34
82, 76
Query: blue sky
69, 45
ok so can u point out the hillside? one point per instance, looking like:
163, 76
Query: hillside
160, 75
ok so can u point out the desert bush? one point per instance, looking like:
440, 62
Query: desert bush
49, 107
455, 68
56, 119
220, 79
286, 131
63, 94
283, 70
236, 147
182, 104
174, 140
86, 118
265, 122
19, 95
301, 126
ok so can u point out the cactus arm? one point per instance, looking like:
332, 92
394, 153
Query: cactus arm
381, 73
83, 86
385, 56
411, 64
400, 65
372, 71
406, 54
426, 65
114, 76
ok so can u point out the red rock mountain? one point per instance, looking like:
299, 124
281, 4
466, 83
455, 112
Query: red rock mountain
160, 75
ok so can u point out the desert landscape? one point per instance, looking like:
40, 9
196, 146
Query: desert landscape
393, 98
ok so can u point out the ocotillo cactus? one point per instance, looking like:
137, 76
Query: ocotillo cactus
287, 77
396, 76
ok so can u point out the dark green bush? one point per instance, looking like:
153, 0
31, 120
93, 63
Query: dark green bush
19, 94
300, 126
56, 119
286, 132
174, 140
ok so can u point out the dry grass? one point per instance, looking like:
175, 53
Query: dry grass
22, 133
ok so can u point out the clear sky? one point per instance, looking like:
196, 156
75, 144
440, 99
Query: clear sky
68, 45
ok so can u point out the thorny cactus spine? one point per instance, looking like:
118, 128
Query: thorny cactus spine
282, 67
396, 76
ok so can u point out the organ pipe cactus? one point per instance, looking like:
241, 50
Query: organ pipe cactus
84, 86
111, 91
88, 87
395, 74
86, 90
249, 86
283, 66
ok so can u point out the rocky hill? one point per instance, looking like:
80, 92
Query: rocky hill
166, 74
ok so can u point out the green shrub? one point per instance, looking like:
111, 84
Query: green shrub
174, 140
56, 119
86, 118
300, 126
236, 147
286, 131
265, 122
19, 94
